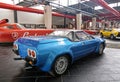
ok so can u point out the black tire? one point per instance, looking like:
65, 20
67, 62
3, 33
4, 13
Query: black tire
60, 66
112, 37
101, 35
101, 48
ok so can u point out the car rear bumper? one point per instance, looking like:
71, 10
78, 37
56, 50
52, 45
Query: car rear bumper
28, 59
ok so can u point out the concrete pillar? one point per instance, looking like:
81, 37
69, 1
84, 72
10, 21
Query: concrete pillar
100, 25
113, 24
64, 22
94, 23
109, 24
79, 21
15, 17
103, 24
116, 25
48, 16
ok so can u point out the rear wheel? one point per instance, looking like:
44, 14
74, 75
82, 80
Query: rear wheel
60, 65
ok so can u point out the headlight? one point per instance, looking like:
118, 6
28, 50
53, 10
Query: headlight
31, 53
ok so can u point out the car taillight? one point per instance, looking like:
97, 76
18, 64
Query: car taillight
31, 53
15, 46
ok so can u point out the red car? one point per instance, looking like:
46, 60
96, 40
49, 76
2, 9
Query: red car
11, 32
93, 32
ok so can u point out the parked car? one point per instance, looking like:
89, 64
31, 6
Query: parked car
93, 32
9, 32
111, 33
55, 52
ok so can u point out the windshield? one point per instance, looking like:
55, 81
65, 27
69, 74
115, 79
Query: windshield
20, 26
59, 33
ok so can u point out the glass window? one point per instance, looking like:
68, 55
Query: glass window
70, 36
8, 27
20, 26
83, 36
59, 33
108, 29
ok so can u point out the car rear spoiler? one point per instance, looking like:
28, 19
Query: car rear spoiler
4, 21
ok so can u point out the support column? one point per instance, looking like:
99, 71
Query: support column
117, 24
48, 16
79, 21
109, 24
64, 22
103, 24
112, 24
100, 25
15, 16
94, 23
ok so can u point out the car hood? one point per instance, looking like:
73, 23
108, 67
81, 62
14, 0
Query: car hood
33, 41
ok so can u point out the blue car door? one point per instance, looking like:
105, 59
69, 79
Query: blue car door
84, 46
91, 45
78, 49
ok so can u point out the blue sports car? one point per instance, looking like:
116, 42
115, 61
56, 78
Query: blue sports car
55, 52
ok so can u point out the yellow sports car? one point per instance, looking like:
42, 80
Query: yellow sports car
110, 33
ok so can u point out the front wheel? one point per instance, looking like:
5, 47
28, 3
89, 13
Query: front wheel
101, 48
112, 36
60, 65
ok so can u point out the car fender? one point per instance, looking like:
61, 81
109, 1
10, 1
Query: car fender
52, 57
101, 41
115, 33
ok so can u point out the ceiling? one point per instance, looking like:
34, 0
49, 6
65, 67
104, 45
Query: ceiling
87, 8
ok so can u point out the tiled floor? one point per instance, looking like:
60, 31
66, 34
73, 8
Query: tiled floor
105, 68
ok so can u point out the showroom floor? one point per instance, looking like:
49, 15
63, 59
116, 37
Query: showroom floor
105, 68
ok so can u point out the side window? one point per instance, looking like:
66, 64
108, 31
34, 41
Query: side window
82, 36
110, 29
75, 37
10, 27
107, 29
70, 36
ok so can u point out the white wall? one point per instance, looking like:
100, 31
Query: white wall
10, 1
30, 18
27, 17
9, 14
23, 17
7, 1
